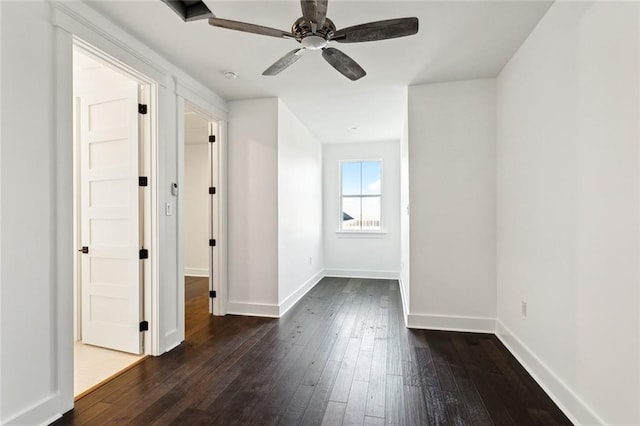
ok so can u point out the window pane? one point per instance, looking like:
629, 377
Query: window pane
351, 178
351, 213
371, 177
371, 213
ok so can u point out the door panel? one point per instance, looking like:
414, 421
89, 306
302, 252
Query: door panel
110, 279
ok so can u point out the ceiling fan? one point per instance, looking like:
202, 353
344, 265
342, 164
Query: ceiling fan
314, 31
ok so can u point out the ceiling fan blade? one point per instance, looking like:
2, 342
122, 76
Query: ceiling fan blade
314, 11
249, 28
284, 62
379, 30
344, 64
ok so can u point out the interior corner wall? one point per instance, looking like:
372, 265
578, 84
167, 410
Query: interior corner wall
300, 246
367, 255
452, 214
405, 228
568, 208
1, 202
253, 207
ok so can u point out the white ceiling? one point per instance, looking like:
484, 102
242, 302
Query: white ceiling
457, 40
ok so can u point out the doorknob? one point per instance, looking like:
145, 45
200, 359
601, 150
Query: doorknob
84, 249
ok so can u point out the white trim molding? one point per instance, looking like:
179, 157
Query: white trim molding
405, 306
39, 413
294, 297
253, 309
451, 323
196, 272
571, 405
207, 101
366, 274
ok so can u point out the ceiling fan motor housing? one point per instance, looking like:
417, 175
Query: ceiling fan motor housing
303, 31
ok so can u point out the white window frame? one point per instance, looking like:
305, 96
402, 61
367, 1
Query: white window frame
341, 230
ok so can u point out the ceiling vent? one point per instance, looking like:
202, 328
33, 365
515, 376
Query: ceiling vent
189, 10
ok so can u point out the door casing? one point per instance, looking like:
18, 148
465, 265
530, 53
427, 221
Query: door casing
147, 197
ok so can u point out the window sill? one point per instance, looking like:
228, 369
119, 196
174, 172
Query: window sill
361, 234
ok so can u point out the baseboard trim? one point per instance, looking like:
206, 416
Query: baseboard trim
405, 308
451, 323
196, 272
42, 413
571, 405
253, 309
294, 297
367, 274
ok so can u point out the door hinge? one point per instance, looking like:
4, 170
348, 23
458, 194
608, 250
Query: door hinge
212, 243
84, 250
143, 181
212, 190
144, 325
212, 138
212, 294
142, 108
144, 253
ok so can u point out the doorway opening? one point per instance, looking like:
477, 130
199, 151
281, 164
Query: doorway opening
113, 218
199, 219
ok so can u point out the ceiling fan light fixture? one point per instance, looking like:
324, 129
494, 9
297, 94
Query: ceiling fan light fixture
230, 75
313, 30
313, 42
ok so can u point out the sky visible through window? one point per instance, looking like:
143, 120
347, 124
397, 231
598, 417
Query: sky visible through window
361, 191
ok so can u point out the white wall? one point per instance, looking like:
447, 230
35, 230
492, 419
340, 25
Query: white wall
300, 254
28, 216
197, 165
452, 191
253, 206
36, 384
197, 179
275, 219
405, 228
366, 255
1, 222
568, 208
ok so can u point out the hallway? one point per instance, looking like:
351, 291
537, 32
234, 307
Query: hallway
341, 355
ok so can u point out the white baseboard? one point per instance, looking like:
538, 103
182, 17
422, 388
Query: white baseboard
42, 413
294, 297
405, 307
253, 309
277, 311
354, 273
196, 272
573, 407
451, 323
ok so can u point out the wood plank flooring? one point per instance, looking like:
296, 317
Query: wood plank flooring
341, 356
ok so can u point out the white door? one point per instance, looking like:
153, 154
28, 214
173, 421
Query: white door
110, 222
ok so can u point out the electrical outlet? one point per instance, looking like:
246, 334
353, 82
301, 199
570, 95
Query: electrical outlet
524, 309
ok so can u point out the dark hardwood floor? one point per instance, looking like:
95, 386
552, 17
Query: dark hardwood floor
341, 356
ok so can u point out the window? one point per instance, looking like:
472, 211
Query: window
360, 195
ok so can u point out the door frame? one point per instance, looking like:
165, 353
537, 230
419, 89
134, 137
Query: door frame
148, 165
71, 20
217, 209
